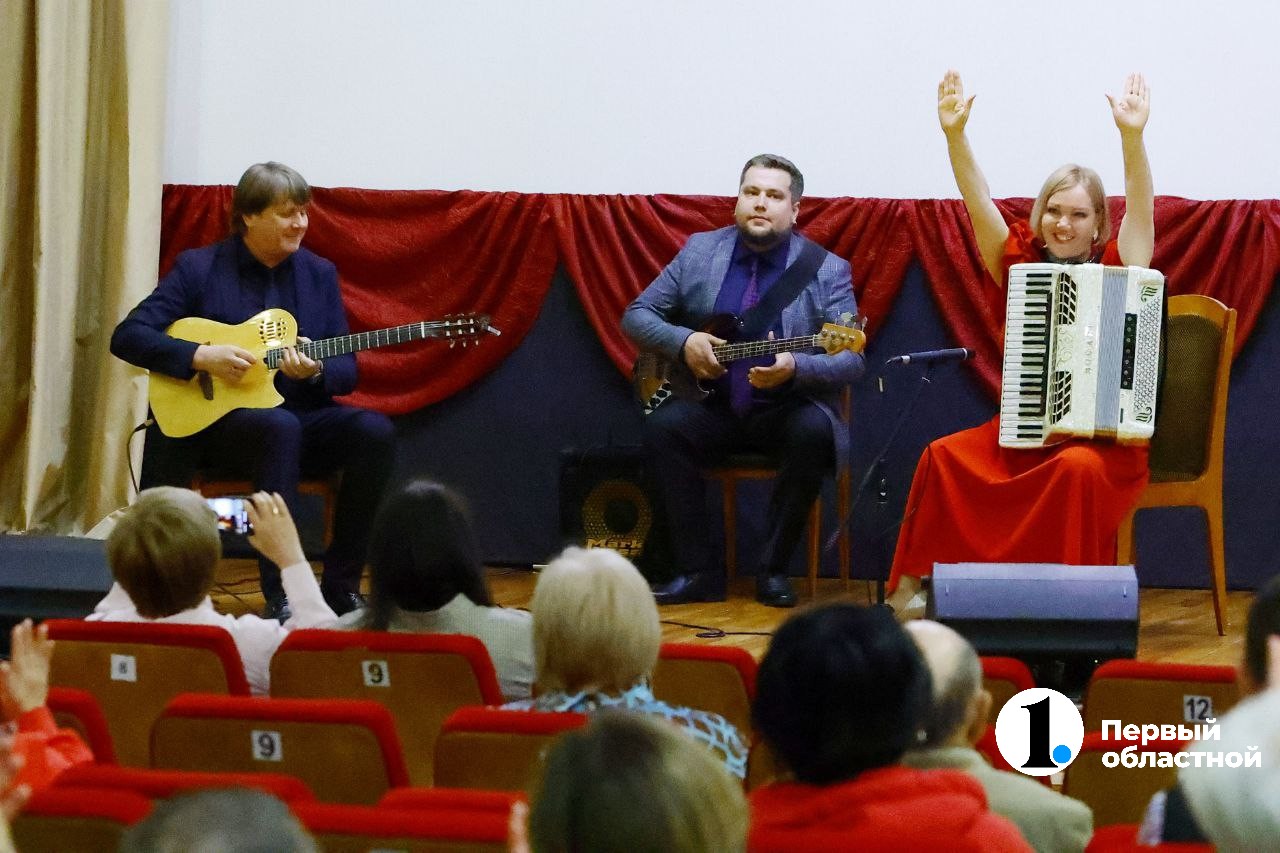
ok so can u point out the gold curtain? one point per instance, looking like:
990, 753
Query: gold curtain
82, 93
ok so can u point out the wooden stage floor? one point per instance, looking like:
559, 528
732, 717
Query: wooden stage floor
1176, 625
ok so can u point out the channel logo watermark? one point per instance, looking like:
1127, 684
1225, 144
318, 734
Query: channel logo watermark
1039, 731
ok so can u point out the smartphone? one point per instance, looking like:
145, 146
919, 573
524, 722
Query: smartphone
232, 513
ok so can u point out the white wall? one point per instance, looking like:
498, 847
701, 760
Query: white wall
642, 96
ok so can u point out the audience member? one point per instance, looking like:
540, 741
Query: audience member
957, 719
13, 794
163, 554
840, 697
425, 576
1236, 808
628, 784
230, 820
41, 748
596, 639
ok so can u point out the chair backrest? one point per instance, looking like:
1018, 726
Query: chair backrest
79, 711
451, 799
358, 829
721, 679
133, 669
345, 750
1117, 794
1161, 693
1191, 422
1004, 678
495, 749
420, 678
1123, 838
56, 819
159, 784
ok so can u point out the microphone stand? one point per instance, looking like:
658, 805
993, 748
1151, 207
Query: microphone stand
877, 466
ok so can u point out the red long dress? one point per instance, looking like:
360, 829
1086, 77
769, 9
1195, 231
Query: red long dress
972, 500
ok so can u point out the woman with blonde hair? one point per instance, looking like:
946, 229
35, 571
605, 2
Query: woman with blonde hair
1059, 504
595, 642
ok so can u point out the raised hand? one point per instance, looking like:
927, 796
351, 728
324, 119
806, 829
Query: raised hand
1132, 107
25, 676
274, 534
953, 108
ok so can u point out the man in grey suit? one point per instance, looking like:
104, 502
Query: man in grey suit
957, 718
783, 404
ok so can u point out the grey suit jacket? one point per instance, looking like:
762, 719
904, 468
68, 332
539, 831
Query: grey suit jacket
680, 301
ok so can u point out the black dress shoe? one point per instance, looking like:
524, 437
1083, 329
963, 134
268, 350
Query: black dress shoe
342, 601
695, 587
277, 608
775, 591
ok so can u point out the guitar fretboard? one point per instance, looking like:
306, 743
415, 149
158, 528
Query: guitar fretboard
407, 333
750, 349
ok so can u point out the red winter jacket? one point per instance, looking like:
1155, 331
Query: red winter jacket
891, 808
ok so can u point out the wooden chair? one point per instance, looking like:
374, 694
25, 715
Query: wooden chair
135, 668
721, 679
1004, 678
496, 749
420, 678
78, 710
1186, 451
214, 485
56, 820
357, 829
1117, 794
761, 466
345, 750
1160, 693
159, 784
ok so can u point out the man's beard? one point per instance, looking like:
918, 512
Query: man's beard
762, 242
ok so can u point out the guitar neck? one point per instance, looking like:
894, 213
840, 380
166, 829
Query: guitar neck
750, 349
344, 344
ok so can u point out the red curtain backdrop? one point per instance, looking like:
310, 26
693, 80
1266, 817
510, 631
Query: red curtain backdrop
413, 255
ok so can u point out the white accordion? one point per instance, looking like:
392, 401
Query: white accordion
1081, 354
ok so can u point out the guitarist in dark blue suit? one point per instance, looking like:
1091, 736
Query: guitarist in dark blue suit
784, 403
263, 265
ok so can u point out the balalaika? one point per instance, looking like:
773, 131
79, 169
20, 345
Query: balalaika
1081, 354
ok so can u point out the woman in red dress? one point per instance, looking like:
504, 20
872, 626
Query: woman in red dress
972, 500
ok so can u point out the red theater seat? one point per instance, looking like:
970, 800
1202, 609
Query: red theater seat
78, 710
58, 820
721, 679
420, 678
345, 750
133, 669
357, 829
1162, 693
497, 750
160, 784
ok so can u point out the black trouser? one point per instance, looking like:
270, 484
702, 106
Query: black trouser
275, 448
683, 437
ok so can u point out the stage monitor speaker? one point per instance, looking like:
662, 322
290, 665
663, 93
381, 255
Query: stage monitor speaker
46, 577
607, 501
1039, 611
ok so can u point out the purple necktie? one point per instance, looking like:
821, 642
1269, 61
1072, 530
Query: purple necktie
739, 388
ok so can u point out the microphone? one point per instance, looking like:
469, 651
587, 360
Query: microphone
930, 356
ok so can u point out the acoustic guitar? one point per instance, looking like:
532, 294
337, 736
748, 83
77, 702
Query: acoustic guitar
655, 378
183, 407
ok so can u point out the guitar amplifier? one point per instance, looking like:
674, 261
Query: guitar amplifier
608, 501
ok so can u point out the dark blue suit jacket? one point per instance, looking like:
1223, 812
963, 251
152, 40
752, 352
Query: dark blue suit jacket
207, 282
